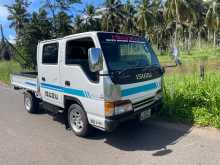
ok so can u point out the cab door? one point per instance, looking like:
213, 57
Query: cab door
77, 78
49, 73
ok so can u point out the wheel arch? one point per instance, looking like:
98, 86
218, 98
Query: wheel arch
33, 93
69, 100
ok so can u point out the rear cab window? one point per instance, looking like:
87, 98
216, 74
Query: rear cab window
50, 54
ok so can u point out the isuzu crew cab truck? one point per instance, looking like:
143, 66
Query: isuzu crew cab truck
96, 79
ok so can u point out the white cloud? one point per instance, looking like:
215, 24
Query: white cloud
3, 13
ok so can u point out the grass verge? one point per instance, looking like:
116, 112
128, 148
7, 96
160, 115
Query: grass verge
6, 68
191, 100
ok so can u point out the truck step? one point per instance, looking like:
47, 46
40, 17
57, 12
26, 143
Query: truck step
52, 108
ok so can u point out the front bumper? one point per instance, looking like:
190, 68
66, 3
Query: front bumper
112, 122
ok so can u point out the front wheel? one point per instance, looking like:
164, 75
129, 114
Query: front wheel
78, 121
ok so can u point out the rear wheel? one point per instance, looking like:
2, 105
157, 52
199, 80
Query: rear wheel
31, 103
78, 121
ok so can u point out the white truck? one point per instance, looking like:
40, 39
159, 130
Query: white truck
96, 79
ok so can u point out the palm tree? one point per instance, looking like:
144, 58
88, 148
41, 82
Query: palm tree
162, 31
60, 8
38, 29
113, 15
78, 24
90, 18
65, 5
190, 19
129, 20
173, 15
63, 24
197, 12
213, 19
145, 17
19, 16
60, 5
182, 13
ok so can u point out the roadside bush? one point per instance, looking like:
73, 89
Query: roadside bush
189, 99
6, 68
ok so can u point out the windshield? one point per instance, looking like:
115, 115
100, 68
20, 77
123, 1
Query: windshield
126, 51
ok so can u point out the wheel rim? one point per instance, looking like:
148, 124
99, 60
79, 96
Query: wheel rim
76, 121
27, 103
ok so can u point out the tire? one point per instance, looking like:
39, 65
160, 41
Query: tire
31, 103
78, 121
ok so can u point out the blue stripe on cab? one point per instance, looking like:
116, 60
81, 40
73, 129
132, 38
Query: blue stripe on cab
74, 92
63, 89
135, 90
51, 86
31, 84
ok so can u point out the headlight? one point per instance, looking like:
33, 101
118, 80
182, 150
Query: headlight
117, 107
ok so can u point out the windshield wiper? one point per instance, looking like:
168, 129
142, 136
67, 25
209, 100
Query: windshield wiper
123, 70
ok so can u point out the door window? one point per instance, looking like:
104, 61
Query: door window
77, 54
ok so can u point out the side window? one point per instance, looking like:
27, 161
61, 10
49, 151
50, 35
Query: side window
77, 54
50, 54
77, 51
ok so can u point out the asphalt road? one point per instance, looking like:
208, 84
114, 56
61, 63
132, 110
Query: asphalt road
42, 139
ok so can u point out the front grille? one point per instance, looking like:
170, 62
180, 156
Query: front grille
143, 103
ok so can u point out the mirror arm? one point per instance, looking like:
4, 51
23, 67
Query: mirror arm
170, 66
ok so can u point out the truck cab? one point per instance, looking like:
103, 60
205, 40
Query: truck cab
96, 79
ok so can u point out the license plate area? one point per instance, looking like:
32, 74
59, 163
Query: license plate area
145, 114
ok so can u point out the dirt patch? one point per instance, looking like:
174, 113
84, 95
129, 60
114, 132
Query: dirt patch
190, 67
3, 84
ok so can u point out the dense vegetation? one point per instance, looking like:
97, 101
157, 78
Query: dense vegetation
6, 68
181, 23
192, 100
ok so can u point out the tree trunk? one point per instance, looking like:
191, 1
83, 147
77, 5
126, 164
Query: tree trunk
189, 40
177, 20
214, 38
175, 37
158, 46
208, 35
199, 36
171, 41
52, 9
185, 43
107, 25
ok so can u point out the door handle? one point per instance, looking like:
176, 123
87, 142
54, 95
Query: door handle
67, 83
43, 79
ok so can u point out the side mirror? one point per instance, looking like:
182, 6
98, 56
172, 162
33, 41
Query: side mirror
95, 59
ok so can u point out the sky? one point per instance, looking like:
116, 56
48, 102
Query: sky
35, 4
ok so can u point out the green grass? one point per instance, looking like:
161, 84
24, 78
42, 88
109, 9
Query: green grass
6, 68
206, 52
189, 99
